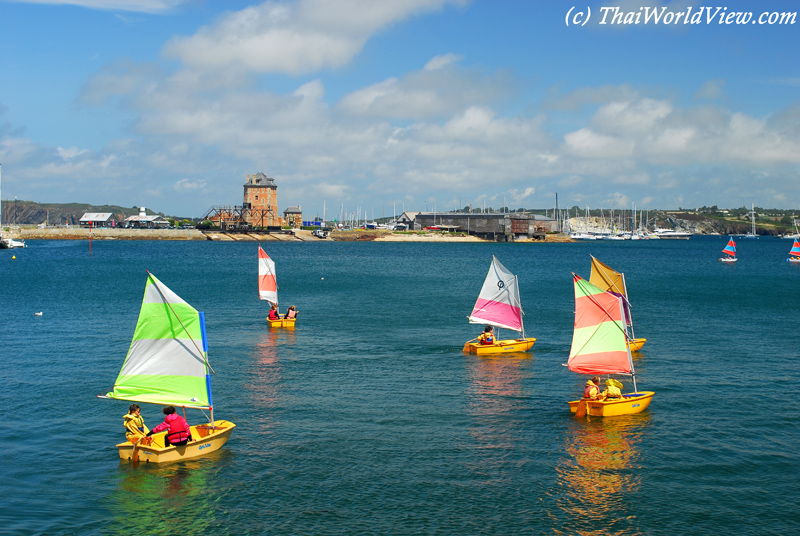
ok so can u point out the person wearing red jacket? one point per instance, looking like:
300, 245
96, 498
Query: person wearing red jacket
178, 431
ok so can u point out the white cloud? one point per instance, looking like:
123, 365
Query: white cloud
589, 144
428, 93
187, 184
72, 152
142, 6
296, 38
631, 117
439, 62
712, 89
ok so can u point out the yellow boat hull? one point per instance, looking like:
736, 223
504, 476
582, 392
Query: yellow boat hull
629, 404
636, 344
205, 438
500, 347
282, 323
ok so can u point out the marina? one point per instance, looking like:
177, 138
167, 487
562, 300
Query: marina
380, 423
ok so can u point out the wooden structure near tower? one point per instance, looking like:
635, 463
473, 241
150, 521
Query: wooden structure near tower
259, 209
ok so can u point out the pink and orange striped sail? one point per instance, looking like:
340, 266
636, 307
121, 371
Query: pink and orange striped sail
267, 285
599, 342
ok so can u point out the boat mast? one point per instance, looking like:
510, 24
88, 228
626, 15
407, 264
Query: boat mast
521, 314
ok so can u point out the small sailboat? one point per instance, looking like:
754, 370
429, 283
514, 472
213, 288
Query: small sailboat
167, 364
730, 251
606, 278
599, 346
268, 288
794, 253
499, 305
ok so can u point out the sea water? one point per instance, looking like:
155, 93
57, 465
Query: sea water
367, 418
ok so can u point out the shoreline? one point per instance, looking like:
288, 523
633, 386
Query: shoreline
298, 235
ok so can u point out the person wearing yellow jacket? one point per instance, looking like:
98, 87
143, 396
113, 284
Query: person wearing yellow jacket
613, 389
134, 423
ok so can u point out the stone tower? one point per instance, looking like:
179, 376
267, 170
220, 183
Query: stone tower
261, 201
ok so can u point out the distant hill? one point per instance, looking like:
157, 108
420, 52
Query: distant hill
31, 213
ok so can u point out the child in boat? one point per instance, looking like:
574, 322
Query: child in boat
273, 313
592, 389
613, 389
178, 431
291, 312
134, 423
487, 337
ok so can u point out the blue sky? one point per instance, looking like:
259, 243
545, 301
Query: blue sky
417, 104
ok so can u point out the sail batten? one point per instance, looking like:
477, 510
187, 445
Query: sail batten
267, 282
498, 303
165, 363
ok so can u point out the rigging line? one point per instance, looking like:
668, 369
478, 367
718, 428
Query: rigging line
205, 359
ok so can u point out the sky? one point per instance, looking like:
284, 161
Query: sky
374, 107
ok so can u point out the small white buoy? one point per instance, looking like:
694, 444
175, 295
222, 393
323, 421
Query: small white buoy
38, 314
322, 279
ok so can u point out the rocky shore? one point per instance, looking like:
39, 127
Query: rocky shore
79, 233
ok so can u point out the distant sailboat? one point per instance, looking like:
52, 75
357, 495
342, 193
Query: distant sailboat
752, 233
499, 306
599, 346
794, 253
268, 288
608, 279
730, 251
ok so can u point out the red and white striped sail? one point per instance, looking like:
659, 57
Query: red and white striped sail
267, 285
498, 303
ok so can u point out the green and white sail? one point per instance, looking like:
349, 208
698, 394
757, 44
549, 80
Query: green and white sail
167, 362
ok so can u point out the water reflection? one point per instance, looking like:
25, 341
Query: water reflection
265, 375
497, 402
598, 481
176, 498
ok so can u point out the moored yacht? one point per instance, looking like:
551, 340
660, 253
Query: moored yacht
671, 234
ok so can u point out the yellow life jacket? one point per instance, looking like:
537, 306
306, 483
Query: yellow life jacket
134, 425
613, 388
